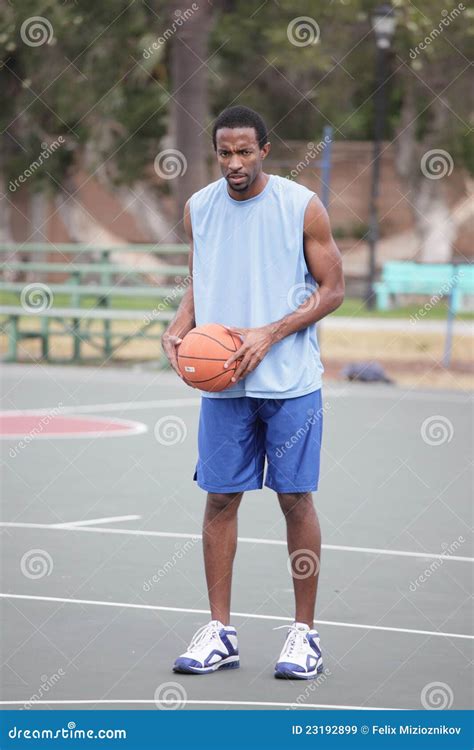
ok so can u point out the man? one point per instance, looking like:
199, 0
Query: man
259, 243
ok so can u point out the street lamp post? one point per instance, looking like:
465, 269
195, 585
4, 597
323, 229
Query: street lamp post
383, 24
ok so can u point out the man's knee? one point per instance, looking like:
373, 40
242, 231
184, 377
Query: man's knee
229, 502
295, 503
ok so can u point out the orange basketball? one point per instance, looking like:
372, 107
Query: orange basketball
201, 357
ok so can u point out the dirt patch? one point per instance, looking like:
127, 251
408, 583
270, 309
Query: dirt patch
412, 359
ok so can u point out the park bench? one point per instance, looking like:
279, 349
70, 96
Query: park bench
434, 280
35, 299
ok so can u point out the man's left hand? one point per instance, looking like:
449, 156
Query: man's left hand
255, 344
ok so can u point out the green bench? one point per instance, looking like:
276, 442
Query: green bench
435, 280
75, 318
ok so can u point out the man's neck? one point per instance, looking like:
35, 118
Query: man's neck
254, 189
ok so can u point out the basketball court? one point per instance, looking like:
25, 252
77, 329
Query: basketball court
103, 581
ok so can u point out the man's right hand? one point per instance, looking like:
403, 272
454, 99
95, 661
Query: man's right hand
170, 345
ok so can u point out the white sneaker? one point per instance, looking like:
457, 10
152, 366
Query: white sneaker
214, 646
301, 657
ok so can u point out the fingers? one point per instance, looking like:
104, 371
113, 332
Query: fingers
237, 331
246, 366
237, 355
170, 344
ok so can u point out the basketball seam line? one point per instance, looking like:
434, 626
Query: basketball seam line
194, 333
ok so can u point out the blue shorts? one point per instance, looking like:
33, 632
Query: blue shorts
236, 434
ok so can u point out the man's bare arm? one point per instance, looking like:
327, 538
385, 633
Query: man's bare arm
184, 319
325, 265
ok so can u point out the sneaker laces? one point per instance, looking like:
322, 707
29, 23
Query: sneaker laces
296, 640
204, 635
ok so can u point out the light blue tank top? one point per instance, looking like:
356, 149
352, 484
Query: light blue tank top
249, 269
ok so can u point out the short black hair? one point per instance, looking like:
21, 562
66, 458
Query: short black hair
241, 117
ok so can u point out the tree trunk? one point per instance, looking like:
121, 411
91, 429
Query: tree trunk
434, 224
189, 113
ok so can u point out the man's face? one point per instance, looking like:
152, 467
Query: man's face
240, 157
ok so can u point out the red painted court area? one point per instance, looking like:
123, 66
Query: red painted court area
41, 424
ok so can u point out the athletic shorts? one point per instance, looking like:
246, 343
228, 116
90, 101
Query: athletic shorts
236, 435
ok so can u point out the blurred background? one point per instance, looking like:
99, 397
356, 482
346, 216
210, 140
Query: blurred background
105, 125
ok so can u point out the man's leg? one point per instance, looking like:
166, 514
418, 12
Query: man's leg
304, 548
220, 544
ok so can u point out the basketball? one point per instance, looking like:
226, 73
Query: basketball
202, 354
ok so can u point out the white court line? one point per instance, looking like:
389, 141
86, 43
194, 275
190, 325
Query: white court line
118, 406
248, 615
171, 702
349, 391
244, 539
110, 519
